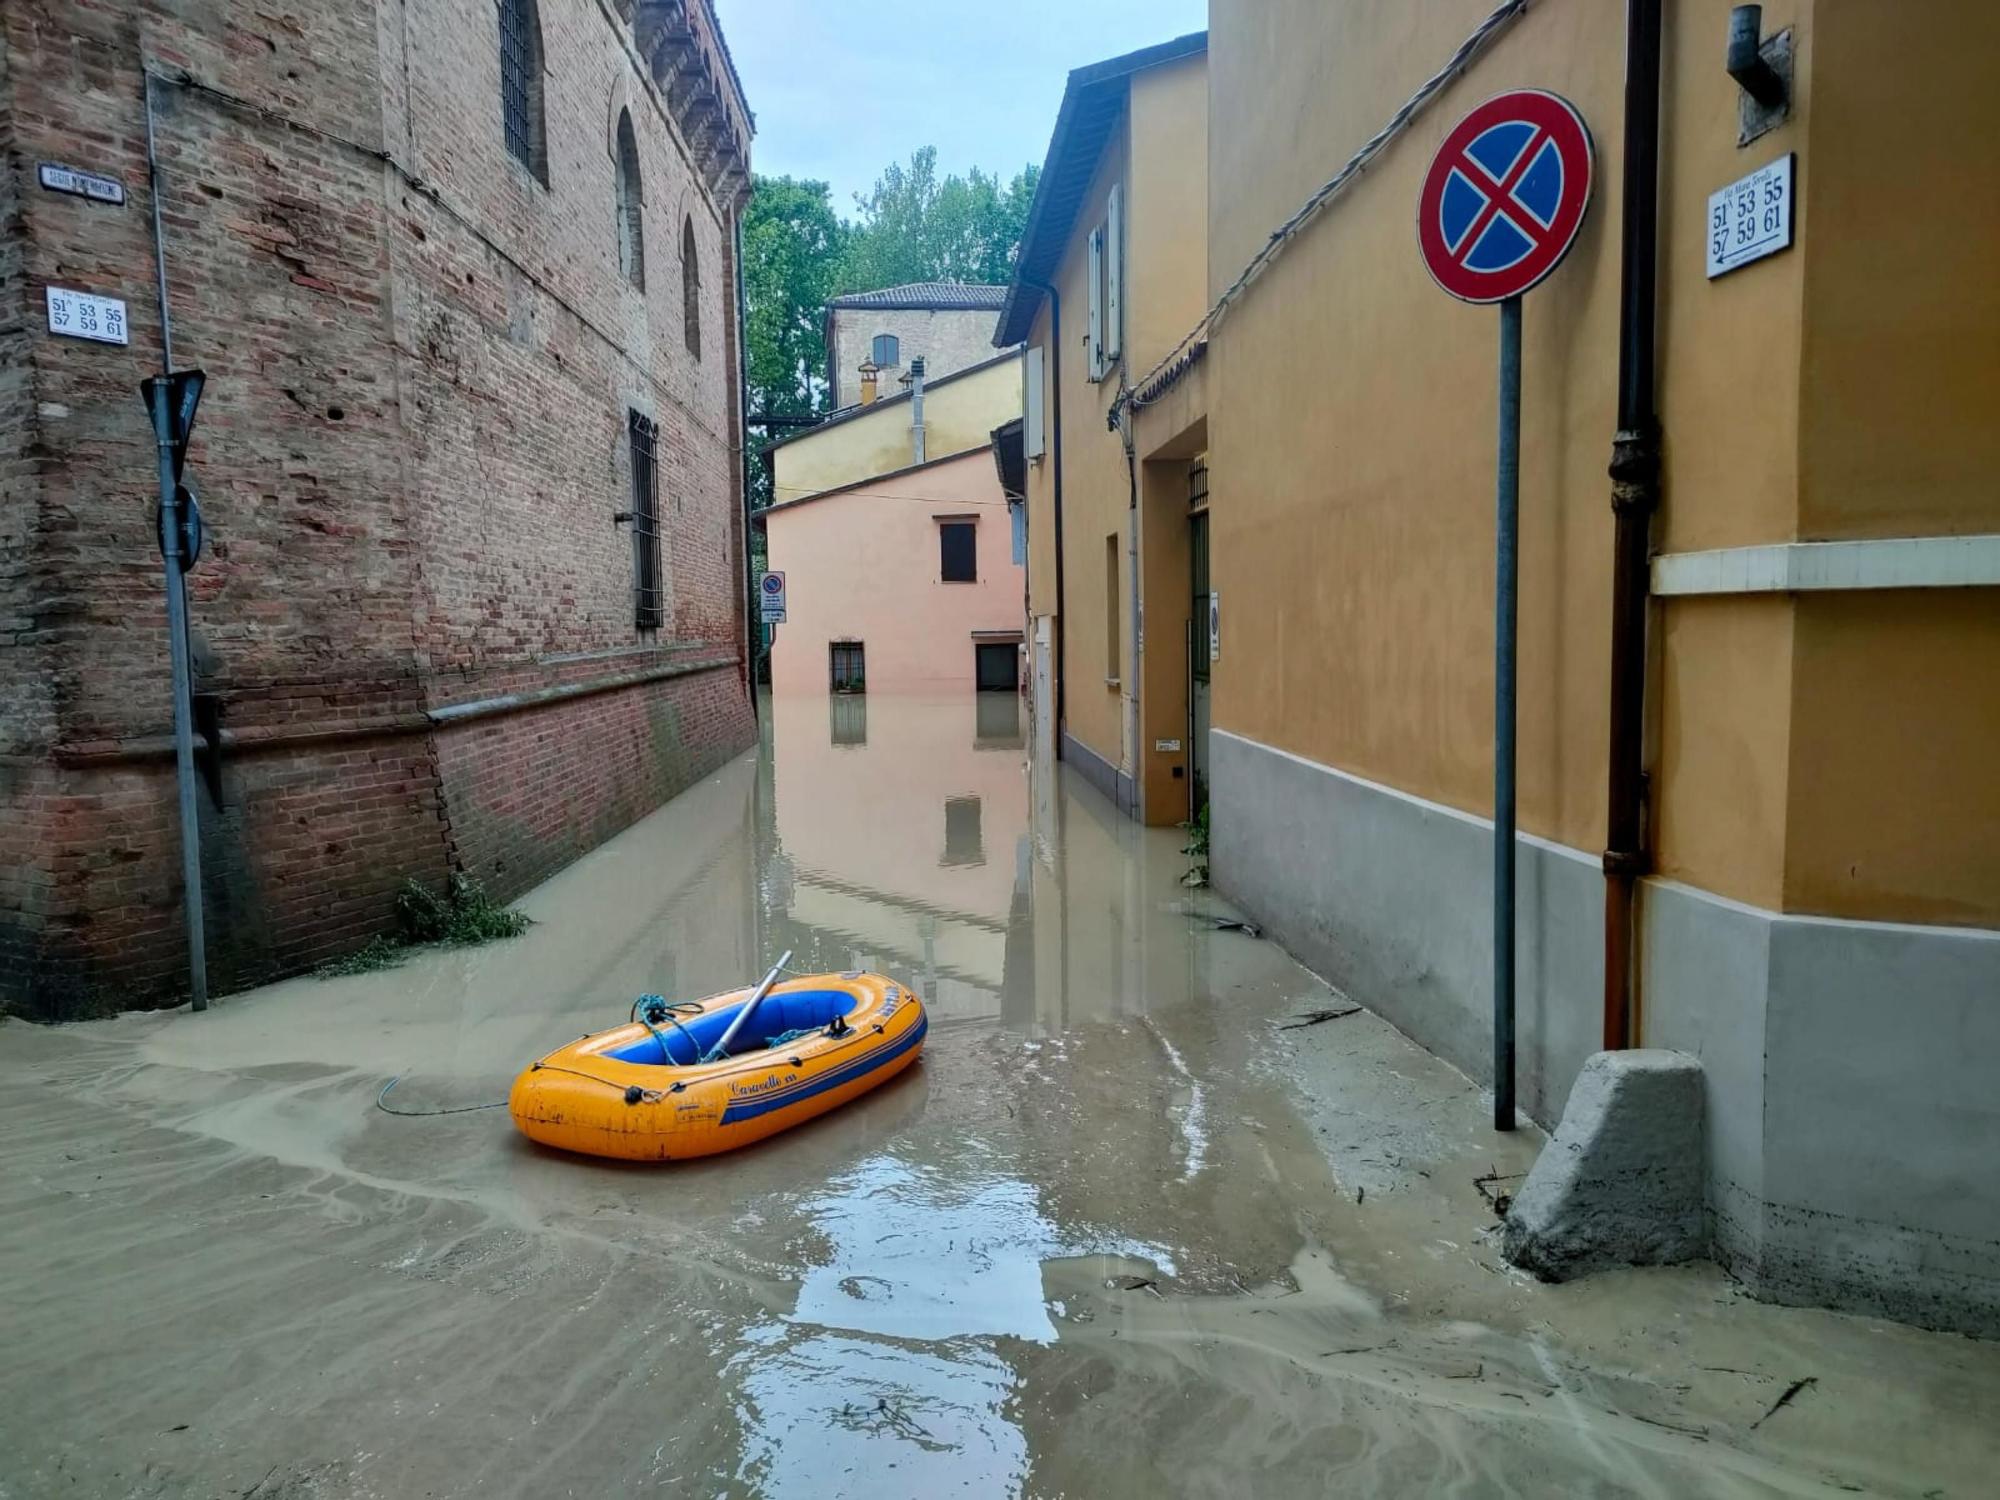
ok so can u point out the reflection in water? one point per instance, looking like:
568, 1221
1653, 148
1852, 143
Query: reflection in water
998, 719
922, 1252
999, 889
829, 1415
896, 1353
847, 718
962, 842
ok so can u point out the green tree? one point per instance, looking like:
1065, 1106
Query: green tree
793, 249
914, 226
798, 253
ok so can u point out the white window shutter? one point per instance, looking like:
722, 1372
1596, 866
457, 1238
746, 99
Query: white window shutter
1096, 349
1034, 426
1114, 276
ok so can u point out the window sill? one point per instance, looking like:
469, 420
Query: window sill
1113, 684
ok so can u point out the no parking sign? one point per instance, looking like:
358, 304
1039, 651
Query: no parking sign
1500, 207
1505, 196
771, 598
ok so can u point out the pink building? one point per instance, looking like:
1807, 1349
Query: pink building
910, 581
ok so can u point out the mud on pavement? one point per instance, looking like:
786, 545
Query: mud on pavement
1122, 1232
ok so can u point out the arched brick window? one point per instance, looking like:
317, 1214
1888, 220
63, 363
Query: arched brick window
521, 85
690, 288
631, 205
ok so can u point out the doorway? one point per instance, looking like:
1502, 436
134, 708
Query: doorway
997, 666
1200, 656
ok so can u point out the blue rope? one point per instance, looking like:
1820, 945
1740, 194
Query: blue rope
657, 1004
786, 1038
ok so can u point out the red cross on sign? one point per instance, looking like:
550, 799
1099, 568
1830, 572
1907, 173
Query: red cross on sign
1505, 196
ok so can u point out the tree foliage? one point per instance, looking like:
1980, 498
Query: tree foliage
912, 226
793, 248
798, 253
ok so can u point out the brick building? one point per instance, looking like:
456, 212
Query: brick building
948, 323
463, 281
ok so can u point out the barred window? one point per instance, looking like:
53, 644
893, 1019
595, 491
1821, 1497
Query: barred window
690, 289
648, 608
631, 205
521, 84
847, 666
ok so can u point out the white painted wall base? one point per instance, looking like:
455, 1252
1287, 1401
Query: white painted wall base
1852, 1069
1391, 898
1854, 1100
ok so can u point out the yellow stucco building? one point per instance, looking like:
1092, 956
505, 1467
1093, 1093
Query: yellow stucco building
861, 442
1760, 826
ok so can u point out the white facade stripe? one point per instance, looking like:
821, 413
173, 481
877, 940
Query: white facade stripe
1920, 562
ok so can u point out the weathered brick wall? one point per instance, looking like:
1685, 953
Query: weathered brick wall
419, 361
23, 700
530, 791
525, 346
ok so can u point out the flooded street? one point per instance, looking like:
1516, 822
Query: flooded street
1129, 1229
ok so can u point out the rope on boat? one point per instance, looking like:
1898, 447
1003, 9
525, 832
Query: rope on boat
648, 1008
459, 1109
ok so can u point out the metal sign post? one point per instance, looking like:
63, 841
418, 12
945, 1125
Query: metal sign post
172, 400
1506, 635
1500, 207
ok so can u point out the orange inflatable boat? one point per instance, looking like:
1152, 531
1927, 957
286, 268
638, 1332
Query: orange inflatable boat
699, 1077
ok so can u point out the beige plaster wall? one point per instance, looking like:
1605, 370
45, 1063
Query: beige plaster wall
863, 564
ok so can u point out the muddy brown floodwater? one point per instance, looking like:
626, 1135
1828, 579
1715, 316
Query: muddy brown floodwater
1120, 1234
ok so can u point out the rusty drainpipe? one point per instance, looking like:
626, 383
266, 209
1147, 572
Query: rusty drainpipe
1635, 495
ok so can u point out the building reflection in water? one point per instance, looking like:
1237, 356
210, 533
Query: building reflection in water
914, 836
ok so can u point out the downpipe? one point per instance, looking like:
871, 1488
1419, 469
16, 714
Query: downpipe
753, 629
1055, 440
1635, 497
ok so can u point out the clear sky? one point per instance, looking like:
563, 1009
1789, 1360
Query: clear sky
842, 89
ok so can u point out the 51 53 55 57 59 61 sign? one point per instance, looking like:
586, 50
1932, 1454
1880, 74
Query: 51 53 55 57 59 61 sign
85, 315
1751, 218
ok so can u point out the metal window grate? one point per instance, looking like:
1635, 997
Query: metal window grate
1197, 486
1198, 658
647, 605
847, 663
520, 80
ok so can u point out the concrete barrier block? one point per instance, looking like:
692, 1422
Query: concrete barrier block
1620, 1183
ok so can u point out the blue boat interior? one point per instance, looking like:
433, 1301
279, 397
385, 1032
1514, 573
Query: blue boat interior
781, 1017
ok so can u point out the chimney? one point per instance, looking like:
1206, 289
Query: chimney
869, 370
917, 408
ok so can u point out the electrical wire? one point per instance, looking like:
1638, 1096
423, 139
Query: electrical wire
806, 491
1149, 388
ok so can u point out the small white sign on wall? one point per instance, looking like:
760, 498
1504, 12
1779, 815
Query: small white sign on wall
1215, 626
771, 598
85, 315
60, 179
1751, 218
